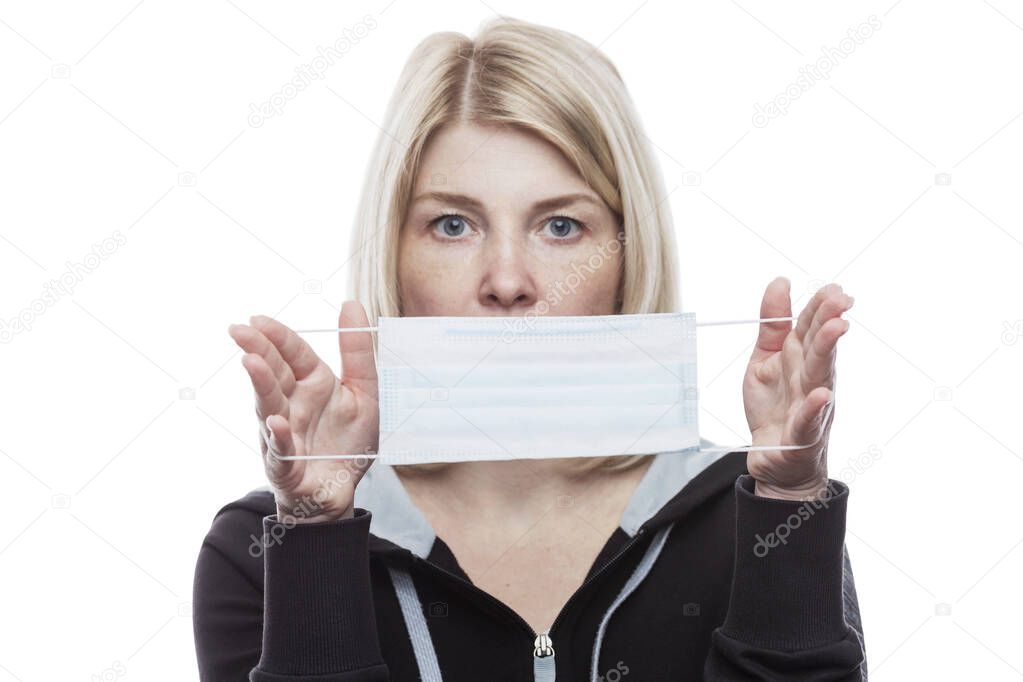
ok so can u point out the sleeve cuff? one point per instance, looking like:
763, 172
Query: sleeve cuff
787, 583
318, 615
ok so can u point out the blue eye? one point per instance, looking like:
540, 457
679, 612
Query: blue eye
561, 226
451, 225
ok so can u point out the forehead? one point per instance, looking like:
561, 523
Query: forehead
494, 161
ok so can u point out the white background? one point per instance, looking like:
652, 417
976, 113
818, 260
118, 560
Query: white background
134, 118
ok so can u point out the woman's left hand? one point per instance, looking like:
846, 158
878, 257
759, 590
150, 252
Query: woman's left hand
788, 385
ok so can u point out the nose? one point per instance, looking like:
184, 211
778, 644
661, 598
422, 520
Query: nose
508, 282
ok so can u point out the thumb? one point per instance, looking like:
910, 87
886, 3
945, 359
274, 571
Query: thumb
358, 365
281, 443
777, 302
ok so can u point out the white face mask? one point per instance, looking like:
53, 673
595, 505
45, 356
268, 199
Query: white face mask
455, 389
480, 388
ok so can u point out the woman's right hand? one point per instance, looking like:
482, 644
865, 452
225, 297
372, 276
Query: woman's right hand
304, 409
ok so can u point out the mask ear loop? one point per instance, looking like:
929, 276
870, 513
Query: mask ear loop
697, 324
763, 448
741, 448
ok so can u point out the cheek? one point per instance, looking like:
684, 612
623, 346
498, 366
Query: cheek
431, 280
585, 283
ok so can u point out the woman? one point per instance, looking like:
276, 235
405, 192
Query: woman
509, 163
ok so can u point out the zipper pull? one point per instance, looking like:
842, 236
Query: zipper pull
544, 669
543, 645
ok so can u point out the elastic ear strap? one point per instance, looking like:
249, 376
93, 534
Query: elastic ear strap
331, 331
698, 324
300, 457
738, 448
760, 448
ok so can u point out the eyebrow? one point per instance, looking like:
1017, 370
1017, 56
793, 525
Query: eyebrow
542, 205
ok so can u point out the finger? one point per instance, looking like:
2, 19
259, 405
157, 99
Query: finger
833, 306
806, 317
269, 397
776, 303
809, 422
282, 444
358, 365
251, 340
292, 347
819, 363
281, 440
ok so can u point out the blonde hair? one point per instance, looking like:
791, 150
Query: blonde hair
539, 79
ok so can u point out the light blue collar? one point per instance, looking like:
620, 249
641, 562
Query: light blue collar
398, 519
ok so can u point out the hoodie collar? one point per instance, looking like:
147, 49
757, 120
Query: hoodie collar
667, 475
663, 494
395, 517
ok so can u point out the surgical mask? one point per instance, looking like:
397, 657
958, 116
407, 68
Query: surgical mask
455, 389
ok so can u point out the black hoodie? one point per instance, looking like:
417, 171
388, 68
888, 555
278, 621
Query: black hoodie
702, 580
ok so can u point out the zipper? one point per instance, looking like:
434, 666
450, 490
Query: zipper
544, 667
542, 641
543, 645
